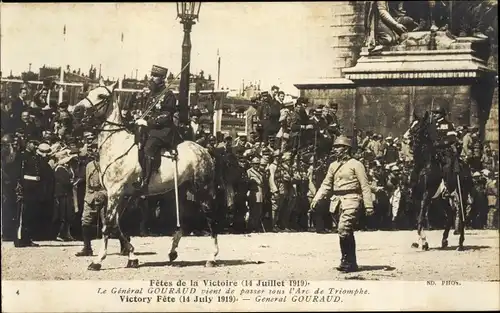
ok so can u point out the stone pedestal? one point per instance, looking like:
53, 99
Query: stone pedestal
425, 68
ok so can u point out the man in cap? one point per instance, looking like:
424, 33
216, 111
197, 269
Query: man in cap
467, 142
347, 180
29, 192
160, 125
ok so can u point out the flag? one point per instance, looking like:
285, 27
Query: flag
64, 29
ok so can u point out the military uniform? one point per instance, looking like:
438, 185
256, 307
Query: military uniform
29, 192
445, 148
348, 182
160, 125
95, 198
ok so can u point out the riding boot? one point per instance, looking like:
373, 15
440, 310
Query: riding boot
147, 170
87, 246
343, 265
123, 246
351, 261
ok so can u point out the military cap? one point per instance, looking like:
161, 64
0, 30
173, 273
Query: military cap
342, 141
63, 104
255, 160
157, 70
43, 149
388, 138
242, 134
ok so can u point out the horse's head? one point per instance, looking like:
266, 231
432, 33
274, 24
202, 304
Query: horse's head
421, 133
97, 102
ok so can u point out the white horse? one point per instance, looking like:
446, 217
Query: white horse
119, 168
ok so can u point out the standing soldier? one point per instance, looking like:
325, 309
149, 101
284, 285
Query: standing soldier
64, 208
255, 196
29, 188
347, 181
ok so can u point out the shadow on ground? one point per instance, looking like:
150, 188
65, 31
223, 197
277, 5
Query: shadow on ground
466, 248
220, 263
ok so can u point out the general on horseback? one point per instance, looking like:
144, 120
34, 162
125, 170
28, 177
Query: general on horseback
157, 131
437, 173
151, 158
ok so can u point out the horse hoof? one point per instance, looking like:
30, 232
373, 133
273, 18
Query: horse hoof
414, 245
425, 246
460, 248
94, 266
444, 244
172, 256
210, 264
133, 263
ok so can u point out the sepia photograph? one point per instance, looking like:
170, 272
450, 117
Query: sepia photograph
262, 156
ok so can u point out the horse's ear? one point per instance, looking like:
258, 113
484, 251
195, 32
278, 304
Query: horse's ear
101, 82
426, 115
113, 85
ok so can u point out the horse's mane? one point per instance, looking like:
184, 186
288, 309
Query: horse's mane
423, 138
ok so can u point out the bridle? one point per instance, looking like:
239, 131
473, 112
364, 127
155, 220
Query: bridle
96, 107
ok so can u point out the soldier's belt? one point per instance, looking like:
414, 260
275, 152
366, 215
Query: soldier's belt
33, 178
346, 192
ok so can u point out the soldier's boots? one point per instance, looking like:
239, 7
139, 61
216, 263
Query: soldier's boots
343, 265
147, 170
350, 264
87, 247
123, 246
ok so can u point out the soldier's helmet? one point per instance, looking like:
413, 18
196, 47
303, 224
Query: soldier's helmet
439, 109
342, 141
7, 139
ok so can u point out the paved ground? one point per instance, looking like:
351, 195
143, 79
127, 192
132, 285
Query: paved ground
381, 255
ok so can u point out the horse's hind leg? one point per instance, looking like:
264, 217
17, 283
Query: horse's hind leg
214, 231
450, 217
133, 261
461, 227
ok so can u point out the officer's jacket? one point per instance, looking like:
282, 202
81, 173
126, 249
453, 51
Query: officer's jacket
92, 179
256, 184
442, 129
31, 174
348, 179
164, 108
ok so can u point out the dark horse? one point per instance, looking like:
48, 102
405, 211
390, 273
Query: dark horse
428, 177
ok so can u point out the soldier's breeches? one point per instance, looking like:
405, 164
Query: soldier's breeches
89, 215
347, 222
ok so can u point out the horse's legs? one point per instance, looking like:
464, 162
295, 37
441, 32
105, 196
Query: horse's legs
213, 225
450, 217
110, 218
132, 262
424, 206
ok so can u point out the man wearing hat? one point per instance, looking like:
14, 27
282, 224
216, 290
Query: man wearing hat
29, 192
195, 131
347, 180
160, 126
